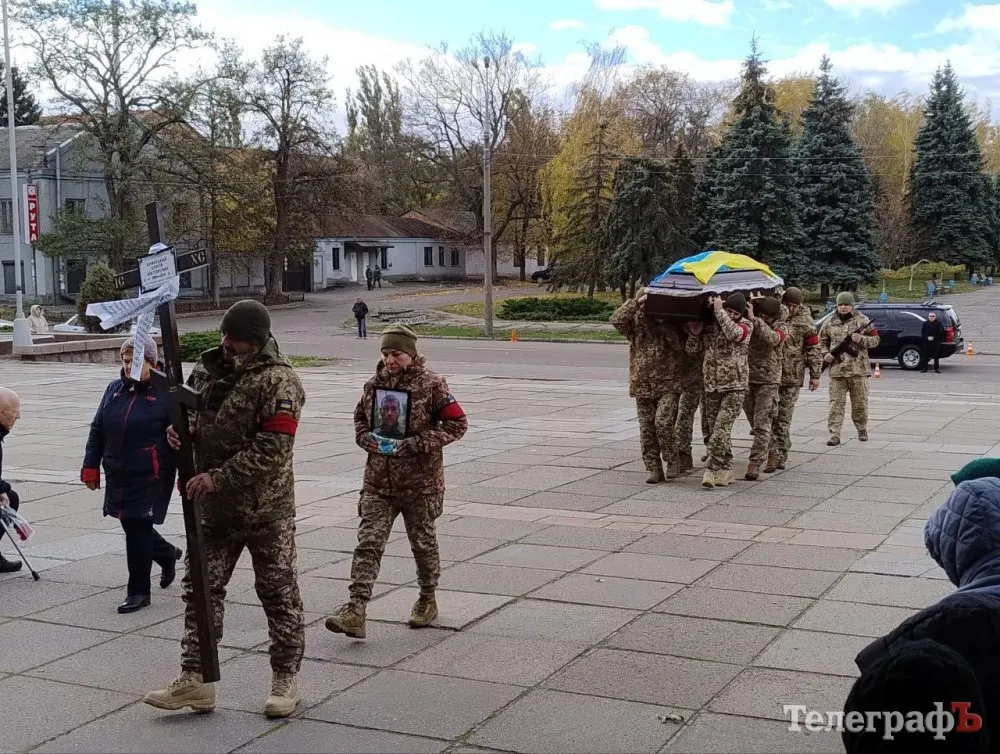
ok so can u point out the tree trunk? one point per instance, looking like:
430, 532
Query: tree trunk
824, 292
279, 250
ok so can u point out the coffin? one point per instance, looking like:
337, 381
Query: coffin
682, 292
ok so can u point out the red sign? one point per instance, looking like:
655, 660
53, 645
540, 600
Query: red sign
32, 206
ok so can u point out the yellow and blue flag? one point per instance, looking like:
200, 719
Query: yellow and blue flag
706, 264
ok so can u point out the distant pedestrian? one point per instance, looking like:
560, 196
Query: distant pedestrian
128, 437
377, 276
932, 334
10, 412
847, 375
37, 322
360, 314
402, 477
369, 276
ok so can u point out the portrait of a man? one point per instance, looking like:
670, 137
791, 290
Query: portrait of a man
391, 413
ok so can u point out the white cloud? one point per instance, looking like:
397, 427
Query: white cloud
704, 12
564, 24
525, 48
975, 18
857, 7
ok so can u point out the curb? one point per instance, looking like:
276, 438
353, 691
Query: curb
523, 340
207, 312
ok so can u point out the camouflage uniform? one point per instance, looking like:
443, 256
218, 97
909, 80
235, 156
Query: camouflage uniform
689, 374
244, 437
653, 362
765, 376
849, 375
411, 483
801, 350
725, 375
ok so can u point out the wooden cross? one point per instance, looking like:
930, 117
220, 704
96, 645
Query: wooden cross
182, 399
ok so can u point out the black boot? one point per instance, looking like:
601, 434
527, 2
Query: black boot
134, 602
9, 566
169, 572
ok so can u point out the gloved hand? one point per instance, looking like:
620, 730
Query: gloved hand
407, 447
91, 478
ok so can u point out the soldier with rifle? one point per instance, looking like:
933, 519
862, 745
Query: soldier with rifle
845, 339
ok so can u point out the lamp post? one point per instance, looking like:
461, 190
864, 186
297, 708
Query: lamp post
487, 209
22, 333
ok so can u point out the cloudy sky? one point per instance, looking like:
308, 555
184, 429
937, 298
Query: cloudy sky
883, 44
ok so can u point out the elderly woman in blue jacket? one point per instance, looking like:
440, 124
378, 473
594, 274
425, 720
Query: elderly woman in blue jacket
129, 438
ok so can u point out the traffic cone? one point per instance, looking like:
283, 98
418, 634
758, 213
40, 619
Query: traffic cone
513, 336
969, 351
878, 373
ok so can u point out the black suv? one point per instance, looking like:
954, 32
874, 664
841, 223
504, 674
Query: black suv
544, 275
899, 325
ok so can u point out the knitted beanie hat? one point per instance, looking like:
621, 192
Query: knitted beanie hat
248, 321
736, 302
400, 338
845, 297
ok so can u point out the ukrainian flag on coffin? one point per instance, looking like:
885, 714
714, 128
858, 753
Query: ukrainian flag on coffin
705, 265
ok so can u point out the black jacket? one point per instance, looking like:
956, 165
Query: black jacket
5, 488
129, 438
934, 330
963, 537
360, 310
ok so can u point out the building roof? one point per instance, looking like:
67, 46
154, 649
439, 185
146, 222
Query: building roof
32, 144
380, 226
457, 221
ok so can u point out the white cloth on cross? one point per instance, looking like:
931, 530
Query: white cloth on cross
113, 313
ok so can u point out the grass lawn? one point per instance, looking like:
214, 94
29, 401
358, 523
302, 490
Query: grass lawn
301, 362
477, 308
473, 332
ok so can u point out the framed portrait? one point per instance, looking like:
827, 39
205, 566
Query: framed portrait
390, 413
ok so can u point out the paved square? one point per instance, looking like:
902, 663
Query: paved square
579, 606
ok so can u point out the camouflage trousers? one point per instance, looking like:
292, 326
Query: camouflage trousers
378, 514
272, 552
722, 410
840, 388
685, 420
657, 420
781, 427
762, 405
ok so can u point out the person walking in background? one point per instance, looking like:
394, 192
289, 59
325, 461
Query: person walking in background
377, 277
931, 334
847, 376
37, 322
128, 436
360, 314
369, 276
10, 412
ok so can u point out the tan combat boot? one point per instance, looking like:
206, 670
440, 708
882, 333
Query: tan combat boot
655, 477
424, 610
673, 469
687, 462
708, 479
863, 435
724, 477
772, 463
284, 696
348, 619
753, 472
187, 690
833, 441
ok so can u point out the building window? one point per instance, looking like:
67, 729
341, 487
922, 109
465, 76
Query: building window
454, 257
6, 218
384, 259
440, 256
428, 255
540, 257
335, 253
75, 205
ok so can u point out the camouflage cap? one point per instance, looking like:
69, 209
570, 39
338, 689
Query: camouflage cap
400, 338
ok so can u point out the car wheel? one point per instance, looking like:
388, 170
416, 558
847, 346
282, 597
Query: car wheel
909, 357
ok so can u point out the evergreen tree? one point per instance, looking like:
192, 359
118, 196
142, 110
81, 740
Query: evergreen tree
836, 190
26, 109
749, 204
994, 220
949, 193
638, 223
681, 242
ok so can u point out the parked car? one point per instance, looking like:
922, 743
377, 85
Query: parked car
73, 325
543, 275
899, 328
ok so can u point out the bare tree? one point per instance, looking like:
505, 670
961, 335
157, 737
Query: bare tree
111, 66
455, 100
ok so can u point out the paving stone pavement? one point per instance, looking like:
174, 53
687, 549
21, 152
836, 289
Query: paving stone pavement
581, 610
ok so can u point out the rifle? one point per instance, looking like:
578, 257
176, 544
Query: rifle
847, 346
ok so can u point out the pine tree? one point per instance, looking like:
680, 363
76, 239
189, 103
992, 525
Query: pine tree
26, 109
750, 204
836, 190
681, 242
949, 193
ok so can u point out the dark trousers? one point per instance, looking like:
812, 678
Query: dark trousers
15, 501
370, 286
930, 353
143, 546
362, 327
379, 282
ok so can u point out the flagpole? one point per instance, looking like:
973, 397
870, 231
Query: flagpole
22, 333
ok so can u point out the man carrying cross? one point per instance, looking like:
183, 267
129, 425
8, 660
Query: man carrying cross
243, 437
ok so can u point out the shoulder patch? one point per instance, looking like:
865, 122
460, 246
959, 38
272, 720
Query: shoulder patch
284, 406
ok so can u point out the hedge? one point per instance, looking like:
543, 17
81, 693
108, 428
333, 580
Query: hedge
568, 309
194, 344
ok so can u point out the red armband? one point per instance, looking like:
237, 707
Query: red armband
873, 333
781, 336
283, 424
451, 410
90, 475
811, 340
745, 329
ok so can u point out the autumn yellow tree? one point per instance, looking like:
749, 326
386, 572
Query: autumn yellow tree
792, 95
